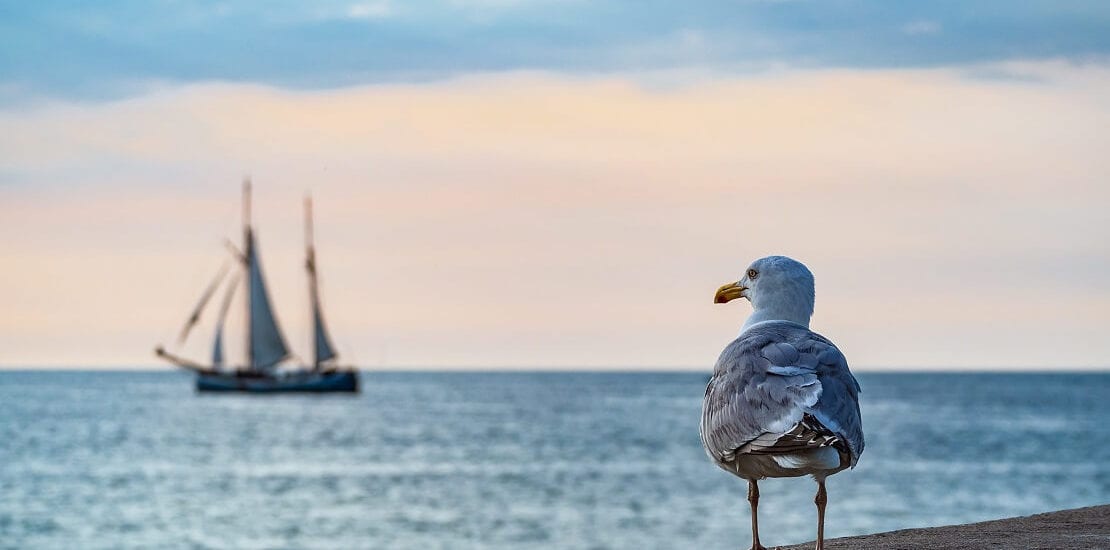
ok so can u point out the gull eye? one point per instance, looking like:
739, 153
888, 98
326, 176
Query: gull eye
752, 274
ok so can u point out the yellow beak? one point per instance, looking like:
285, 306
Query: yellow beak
729, 292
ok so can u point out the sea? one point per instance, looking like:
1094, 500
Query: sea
513, 460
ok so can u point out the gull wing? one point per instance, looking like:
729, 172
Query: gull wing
780, 388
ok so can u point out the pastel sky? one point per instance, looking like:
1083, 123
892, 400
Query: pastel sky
561, 184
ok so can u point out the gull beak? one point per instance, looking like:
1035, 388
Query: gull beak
729, 292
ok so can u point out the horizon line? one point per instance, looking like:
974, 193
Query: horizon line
589, 368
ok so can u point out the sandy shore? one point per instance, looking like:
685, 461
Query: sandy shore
1079, 528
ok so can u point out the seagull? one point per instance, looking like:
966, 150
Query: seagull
781, 401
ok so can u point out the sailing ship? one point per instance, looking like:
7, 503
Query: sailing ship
265, 345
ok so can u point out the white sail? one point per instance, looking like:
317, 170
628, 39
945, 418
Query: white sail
267, 346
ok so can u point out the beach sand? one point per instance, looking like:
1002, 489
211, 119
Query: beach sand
1080, 528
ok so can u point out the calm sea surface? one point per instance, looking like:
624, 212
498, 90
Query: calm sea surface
515, 460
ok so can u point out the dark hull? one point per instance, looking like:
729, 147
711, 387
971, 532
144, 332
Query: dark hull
298, 382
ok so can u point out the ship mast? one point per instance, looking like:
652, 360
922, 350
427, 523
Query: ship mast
310, 267
248, 256
322, 347
265, 343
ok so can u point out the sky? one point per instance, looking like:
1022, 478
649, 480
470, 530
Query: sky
560, 184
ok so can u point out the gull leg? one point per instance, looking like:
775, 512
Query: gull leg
753, 499
820, 501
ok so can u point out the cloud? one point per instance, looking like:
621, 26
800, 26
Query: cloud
538, 219
110, 50
370, 10
921, 27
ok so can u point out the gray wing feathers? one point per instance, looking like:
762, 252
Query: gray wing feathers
765, 383
838, 408
746, 399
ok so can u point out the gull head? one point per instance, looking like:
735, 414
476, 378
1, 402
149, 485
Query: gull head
779, 288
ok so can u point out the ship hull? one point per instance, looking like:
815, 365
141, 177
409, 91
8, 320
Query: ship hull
297, 382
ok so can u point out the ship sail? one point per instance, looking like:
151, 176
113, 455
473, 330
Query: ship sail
218, 345
324, 350
195, 316
218, 348
265, 344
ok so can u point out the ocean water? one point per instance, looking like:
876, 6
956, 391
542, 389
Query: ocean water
513, 460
